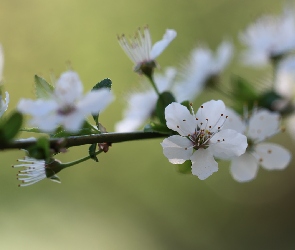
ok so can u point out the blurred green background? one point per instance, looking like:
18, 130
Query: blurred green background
133, 198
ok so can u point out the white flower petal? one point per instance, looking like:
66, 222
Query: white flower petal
223, 56
211, 115
263, 124
272, 156
95, 101
140, 107
227, 144
179, 119
68, 88
4, 104
203, 164
177, 149
244, 168
159, 46
37, 108
234, 121
73, 121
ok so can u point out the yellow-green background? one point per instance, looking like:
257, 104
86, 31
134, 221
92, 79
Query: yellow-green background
133, 198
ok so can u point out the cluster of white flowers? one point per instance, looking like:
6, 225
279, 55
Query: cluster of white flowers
215, 131
67, 106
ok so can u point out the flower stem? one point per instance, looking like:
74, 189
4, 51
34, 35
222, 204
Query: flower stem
150, 77
72, 163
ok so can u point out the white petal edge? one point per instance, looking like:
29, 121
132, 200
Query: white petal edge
273, 156
203, 164
177, 149
244, 168
179, 119
159, 46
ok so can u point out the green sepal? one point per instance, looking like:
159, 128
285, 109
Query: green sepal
43, 89
92, 150
55, 178
163, 101
185, 168
105, 83
243, 94
156, 127
40, 150
9, 127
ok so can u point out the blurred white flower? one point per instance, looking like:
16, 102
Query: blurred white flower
285, 86
35, 171
140, 50
204, 133
261, 125
68, 107
4, 104
269, 37
202, 66
142, 104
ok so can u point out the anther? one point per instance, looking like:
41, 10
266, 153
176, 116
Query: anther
269, 151
202, 106
177, 126
183, 120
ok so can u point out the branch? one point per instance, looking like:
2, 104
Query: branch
85, 139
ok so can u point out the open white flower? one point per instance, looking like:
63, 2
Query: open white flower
269, 37
35, 171
140, 49
67, 107
4, 104
142, 104
260, 126
203, 66
201, 137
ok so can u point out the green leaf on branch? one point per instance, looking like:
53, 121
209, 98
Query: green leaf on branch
92, 150
87, 129
156, 127
163, 101
43, 89
187, 104
105, 83
243, 94
9, 127
185, 168
40, 150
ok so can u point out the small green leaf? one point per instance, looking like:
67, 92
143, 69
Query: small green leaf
187, 104
243, 93
31, 130
43, 89
92, 150
40, 150
184, 168
10, 126
105, 83
55, 178
155, 127
163, 101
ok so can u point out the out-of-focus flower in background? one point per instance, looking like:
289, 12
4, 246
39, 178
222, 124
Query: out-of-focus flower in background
202, 68
141, 105
269, 38
67, 107
262, 125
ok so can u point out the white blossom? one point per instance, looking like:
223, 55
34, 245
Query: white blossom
140, 50
269, 37
4, 104
202, 66
261, 125
201, 137
34, 171
67, 107
285, 86
141, 105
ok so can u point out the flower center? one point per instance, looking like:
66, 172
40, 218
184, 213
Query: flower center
201, 138
66, 110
